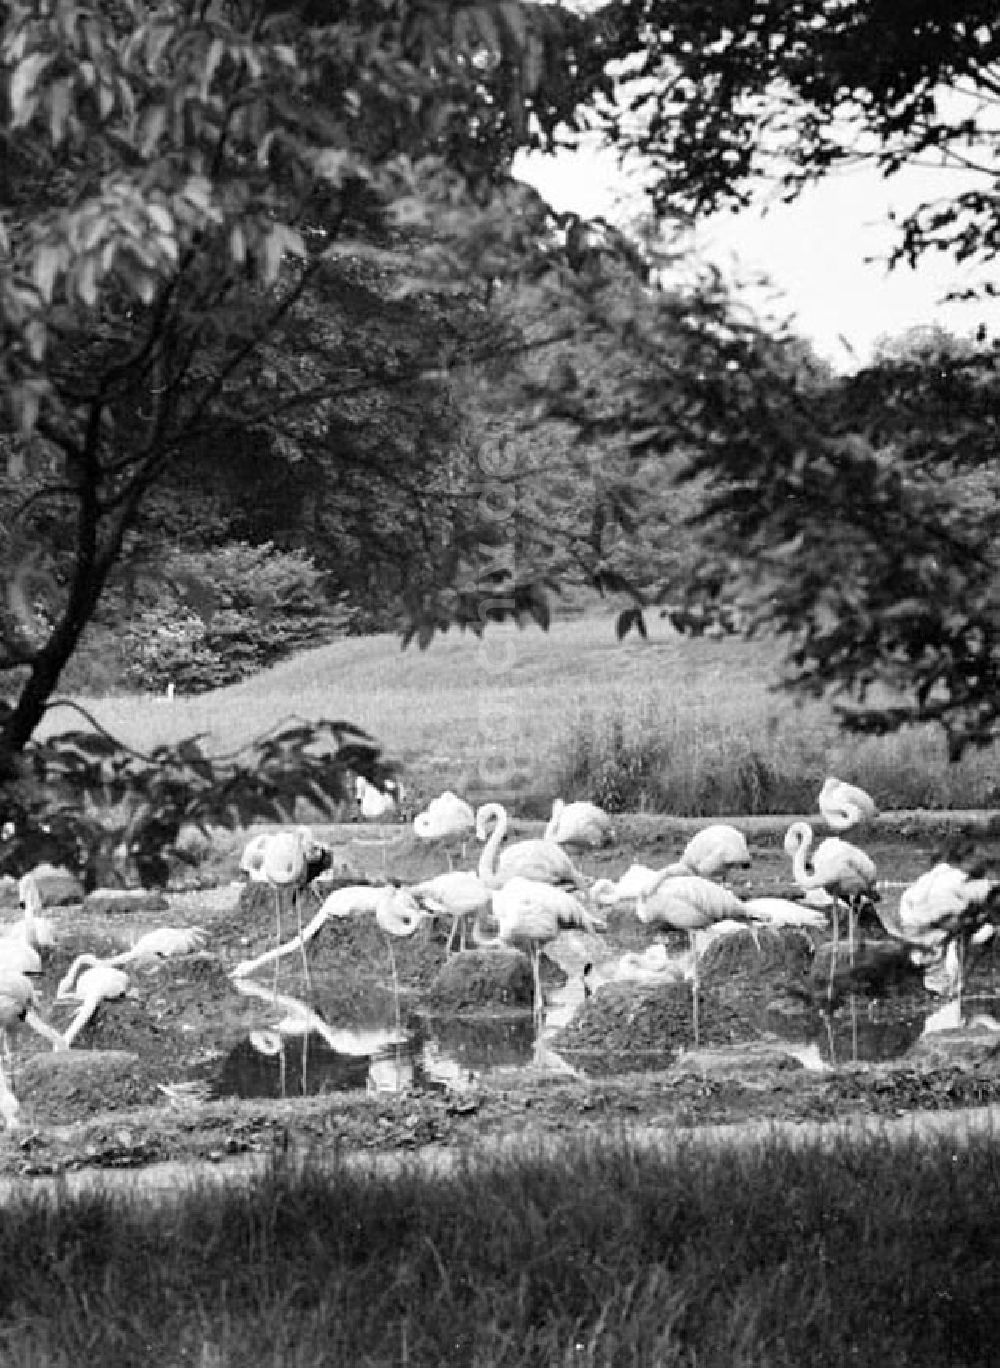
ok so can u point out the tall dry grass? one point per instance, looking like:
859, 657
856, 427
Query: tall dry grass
693, 727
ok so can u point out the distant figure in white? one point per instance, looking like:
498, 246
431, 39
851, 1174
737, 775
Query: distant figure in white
376, 803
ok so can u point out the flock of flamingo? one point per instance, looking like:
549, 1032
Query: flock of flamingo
526, 892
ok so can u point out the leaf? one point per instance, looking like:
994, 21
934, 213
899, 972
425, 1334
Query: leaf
22, 84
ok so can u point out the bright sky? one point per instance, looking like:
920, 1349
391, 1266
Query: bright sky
814, 251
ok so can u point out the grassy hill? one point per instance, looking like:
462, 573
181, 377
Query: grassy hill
670, 724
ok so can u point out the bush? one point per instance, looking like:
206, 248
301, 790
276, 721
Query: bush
225, 614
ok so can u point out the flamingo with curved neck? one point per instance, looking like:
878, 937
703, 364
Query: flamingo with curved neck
539, 859
836, 866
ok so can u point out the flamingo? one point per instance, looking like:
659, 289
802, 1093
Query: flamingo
939, 916
459, 894
845, 805
540, 860
98, 982
447, 817
17, 1007
836, 866
534, 911
636, 879
785, 912
712, 852
579, 824
161, 943
690, 903
34, 929
286, 860
342, 902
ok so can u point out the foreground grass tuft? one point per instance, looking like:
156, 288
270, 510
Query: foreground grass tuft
595, 1255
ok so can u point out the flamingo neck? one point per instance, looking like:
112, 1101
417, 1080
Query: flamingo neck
800, 861
491, 854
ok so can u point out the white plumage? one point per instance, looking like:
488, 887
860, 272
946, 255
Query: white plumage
939, 916
163, 942
446, 818
713, 851
579, 823
785, 912
535, 912
17, 1006
844, 805
538, 859
838, 867
376, 803
97, 983
283, 859
459, 894
690, 903
635, 881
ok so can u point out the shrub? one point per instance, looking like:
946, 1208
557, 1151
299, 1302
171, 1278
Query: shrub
223, 615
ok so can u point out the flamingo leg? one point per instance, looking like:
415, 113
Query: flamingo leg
828, 1020
80, 1020
850, 932
302, 943
277, 912
833, 950
539, 1004
694, 988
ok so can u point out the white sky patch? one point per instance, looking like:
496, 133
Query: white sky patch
824, 254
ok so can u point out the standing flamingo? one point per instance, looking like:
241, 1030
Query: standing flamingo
690, 903
539, 859
286, 860
458, 894
844, 805
535, 912
939, 916
839, 868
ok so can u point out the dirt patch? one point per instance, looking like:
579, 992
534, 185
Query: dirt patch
136, 1087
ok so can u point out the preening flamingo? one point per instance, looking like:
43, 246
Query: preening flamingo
286, 860
844, 805
690, 903
538, 859
841, 869
580, 824
635, 881
939, 916
535, 912
712, 852
162, 943
446, 818
98, 982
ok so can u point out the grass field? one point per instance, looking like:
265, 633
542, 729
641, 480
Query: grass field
593, 1257
693, 727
